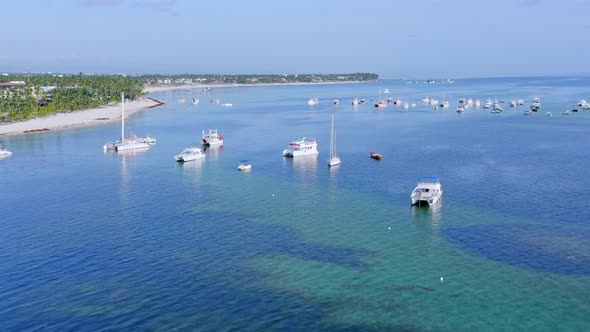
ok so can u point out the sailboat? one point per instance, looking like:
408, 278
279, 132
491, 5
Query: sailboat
334, 160
129, 143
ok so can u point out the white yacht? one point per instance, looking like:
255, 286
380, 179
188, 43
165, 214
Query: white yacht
428, 191
301, 147
245, 165
488, 104
4, 152
190, 154
334, 159
212, 138
125, 144
312, 101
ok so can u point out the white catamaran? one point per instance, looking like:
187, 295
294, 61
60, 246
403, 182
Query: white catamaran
129, 143
334, 159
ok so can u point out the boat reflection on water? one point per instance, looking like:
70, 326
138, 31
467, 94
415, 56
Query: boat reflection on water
425, 213
304, 167
213, 152
193, 168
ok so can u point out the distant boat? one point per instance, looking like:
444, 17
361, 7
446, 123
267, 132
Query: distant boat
426, 100
477, 103
376, 156
189, 154
245, 165
460, 109
488, 104
4, 152
496, 108
301, 147
566, 112
528, 112
181, 100
355, 102
469, 102
520, 102
336, 101
575, 110
385, 91
513, 103
428, 191
381, 104
334, 159
195, 101
125, 144
582, 102
536, 104
397, 102
406, 106
212, 138
227, 104
312, 101
549, 114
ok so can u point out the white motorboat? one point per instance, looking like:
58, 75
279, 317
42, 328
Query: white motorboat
245, 165
195, 101
566, 112
445, 104
469, 102
513, 103
381, 104
336, 102
397, 102
212, 138
4, 152
496, 108
334, 159
462, 101
426, 100
181, 100
528, 112
433, 102
385, 91
406, 106
477, 103
227, 105
520, 102
536, 104
428, 191
460, 109
355, 102
582, 102
125, 144
488, 104
190, 154
313, 101
301, 147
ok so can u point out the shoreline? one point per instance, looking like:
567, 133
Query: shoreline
107, 114
88, 117
160, 88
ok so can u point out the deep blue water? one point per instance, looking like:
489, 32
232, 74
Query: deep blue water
95, 241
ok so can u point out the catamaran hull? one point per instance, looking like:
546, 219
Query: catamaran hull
292, 154
423, 202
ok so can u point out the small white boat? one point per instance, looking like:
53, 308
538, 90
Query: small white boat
426, 100
582, 102
529, 112
469, 102
586, 106
381, 104
513, 103
488, 104
445, 104
4, 152
536, 104
549, 114
301, 147
147, 140
195, 101
212, 138
566, 112
190, 154
397, 102
413, 105
462, 101
334, 159
181, 100
355, 102
313, 101
336, 102
520, 102
428, 191
227, 105
497, 108
406, 106
245, 165
460, 109
385, 91
433, 102
477, 103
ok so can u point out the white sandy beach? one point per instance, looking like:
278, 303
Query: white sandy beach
76, 119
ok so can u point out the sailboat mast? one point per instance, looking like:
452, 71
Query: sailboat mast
122, 116
332, 138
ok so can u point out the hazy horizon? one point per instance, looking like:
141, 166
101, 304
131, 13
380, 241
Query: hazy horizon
409, 40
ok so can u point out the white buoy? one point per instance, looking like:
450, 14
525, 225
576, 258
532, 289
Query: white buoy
389, 228
442, 279
273, 195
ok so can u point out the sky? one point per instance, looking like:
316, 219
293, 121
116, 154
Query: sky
393, 38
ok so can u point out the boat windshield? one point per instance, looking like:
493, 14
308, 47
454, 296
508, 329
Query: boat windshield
429, 179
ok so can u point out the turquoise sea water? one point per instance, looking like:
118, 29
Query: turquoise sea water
94, 241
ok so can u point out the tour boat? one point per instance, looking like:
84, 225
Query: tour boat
245, 165
428, 191
212, 138
301, 147
190, 154
334, 159
125, 144
4, 152
312, 101
376, 155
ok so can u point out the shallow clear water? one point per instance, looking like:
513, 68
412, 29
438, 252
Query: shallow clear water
138, 242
